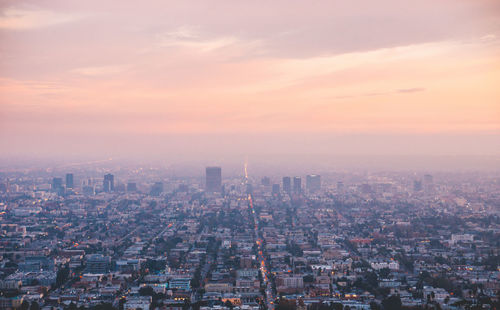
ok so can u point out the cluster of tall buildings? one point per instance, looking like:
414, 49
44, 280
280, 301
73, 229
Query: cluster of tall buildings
58, 187
213, 182
91, 187
427, 184
57, 184
313, 184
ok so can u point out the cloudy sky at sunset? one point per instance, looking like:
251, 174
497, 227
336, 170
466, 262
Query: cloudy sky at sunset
116, 76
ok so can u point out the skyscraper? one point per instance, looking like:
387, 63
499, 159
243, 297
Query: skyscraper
297, 185
57, 184
109, 183
3, 187
213, 179
276, 189
131, 187
428, 183
157, 189
287, 184
417, 185
69, 180
313, 182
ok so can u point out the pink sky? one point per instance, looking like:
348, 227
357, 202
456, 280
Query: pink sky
78, 74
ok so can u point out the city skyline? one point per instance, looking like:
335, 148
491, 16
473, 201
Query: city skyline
147, 239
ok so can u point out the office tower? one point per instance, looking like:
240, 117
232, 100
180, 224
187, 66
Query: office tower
57, 184
417, 185
131, 187
428, 183
213, 181
3, 187
109, 183
69, 180
287, 184
340, 186
313, 182
266, 181
276, 189
157, 189
297, 185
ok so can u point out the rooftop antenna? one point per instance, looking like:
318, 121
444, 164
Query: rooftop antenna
246, 169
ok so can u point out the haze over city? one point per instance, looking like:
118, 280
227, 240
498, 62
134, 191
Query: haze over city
173, 80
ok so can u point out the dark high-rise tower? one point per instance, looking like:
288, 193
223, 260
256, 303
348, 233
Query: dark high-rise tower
313, 183
417, 185
109, 183
57, 184
157, 189
276, 189
69, 180
297, 185
213, 179
131, 187
287, 184
428, 183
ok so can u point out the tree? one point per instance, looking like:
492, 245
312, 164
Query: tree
104, 306
336, 306
371, 278
374, 306
34, 306
392, 303
384, 273
285, 304
62, 275
146, 291
25, 305
308, 278
319, 306
72, 306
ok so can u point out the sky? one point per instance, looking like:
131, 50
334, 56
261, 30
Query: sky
188, 79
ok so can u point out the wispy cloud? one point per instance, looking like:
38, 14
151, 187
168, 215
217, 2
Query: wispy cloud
189, 37
100, 70
411, 90
23, 19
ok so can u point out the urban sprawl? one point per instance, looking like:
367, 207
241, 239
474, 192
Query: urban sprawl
140, 238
